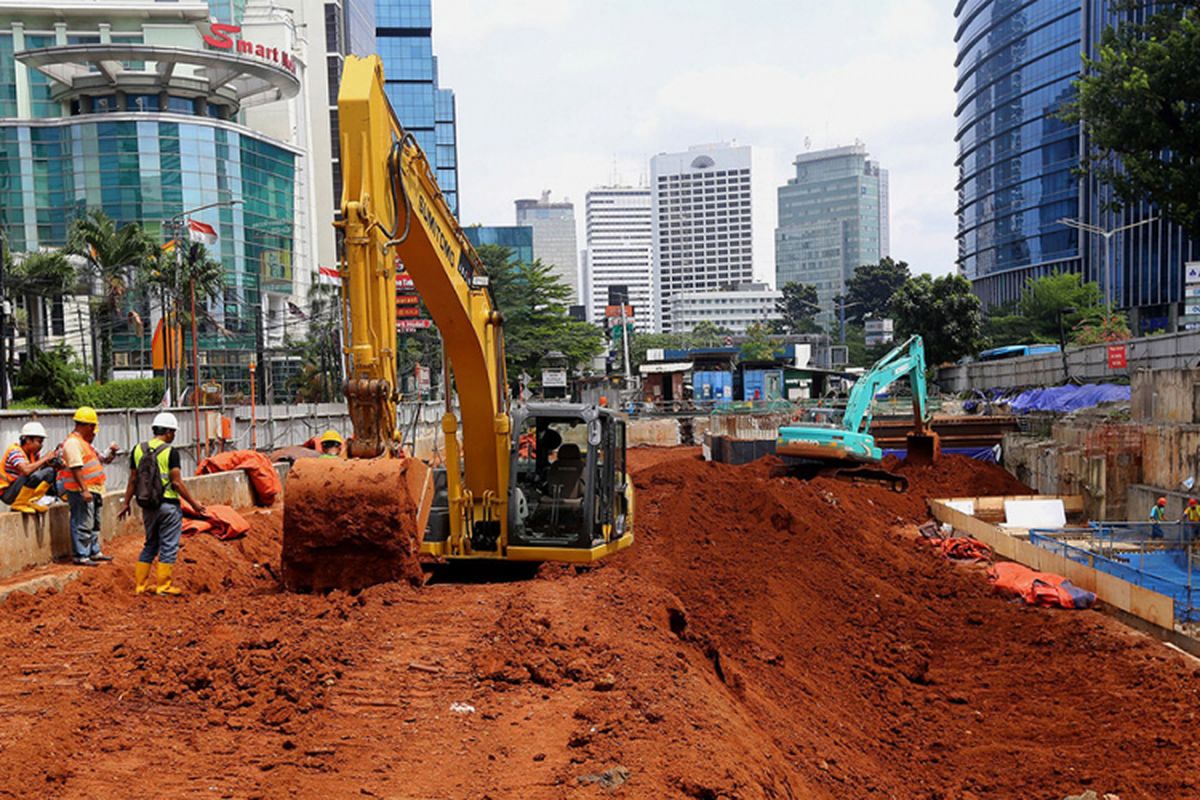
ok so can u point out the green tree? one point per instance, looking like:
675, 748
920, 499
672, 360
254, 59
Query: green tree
872, 286
1102, 328
534, 302
1140, 100
641, 342
708, 334
1044, 298
38, 276
943, 311
113, 256
798, 306
758, 345
51, 377
173, 274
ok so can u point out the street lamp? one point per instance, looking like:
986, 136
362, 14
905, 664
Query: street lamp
177, 223
1107, 234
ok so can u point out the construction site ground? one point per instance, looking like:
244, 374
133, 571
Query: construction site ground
765, 637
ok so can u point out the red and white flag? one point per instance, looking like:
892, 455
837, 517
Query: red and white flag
202, 232
329, 274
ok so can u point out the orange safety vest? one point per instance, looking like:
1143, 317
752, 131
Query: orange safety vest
92, 470
9, 474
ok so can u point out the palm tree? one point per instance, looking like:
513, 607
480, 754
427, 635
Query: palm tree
36, 276
173, 275
113, 255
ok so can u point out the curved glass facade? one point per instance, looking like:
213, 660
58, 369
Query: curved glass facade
146, 168
1016, 62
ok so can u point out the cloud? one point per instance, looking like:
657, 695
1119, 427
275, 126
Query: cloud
565, 95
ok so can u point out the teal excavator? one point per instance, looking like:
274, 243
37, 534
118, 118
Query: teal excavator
847, 450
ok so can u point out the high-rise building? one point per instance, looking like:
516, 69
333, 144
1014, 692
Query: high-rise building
140, 109
618, 251
554, 240
833, 218
517, 238
1017, 161
711, 221
734, 310
404, 37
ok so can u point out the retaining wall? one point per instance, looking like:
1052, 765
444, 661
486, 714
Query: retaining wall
1176, 351
28, 540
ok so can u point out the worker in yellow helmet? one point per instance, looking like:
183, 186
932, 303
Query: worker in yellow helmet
25, 474
82, 476
331, 444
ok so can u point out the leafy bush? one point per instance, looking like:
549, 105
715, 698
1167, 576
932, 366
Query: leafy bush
51, 376
131, 393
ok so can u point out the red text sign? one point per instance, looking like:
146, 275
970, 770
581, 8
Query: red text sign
220, 37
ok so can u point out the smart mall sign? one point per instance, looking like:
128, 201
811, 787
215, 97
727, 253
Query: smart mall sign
220, 37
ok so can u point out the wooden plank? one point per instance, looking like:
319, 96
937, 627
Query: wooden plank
1146, 604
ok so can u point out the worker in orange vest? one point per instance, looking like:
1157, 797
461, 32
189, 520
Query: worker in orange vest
82, 476
24, 477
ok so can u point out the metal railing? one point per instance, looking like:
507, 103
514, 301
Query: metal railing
1160, 556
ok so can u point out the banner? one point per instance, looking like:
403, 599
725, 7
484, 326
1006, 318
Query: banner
158, 348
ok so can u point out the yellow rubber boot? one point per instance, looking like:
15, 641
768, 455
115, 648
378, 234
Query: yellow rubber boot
141, 577
164, 580
38, 494
23, 500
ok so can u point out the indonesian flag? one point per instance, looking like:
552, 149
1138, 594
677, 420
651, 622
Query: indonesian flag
202, 232
329, 274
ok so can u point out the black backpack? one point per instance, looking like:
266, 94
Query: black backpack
149, 488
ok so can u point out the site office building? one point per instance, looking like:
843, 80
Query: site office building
146, 109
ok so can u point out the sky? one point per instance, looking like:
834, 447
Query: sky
570, 94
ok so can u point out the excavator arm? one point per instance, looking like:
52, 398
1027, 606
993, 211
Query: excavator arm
906, 360
393, 214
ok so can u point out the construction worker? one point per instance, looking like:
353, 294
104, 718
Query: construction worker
1158, 515
82, 476
331, 444
163, 522
1191, 519
25, 478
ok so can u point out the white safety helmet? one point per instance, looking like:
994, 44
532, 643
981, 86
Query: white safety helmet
165, 419
33, 429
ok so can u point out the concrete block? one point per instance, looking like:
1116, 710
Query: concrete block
54, 581
27, 540
652, 432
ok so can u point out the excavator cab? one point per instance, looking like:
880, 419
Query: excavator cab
570, 498
569, 488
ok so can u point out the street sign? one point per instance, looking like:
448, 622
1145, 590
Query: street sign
1191, 272
404, 282
408, 299
554, 379
407, 311
614, 312
1117, 356
410, 325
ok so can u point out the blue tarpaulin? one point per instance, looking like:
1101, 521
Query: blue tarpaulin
1068, 398
978, 453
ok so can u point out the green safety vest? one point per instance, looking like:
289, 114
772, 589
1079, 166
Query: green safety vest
164, 458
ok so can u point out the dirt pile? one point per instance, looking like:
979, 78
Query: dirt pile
353, 524
765, 637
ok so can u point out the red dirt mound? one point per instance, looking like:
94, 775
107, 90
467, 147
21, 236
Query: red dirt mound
764, 638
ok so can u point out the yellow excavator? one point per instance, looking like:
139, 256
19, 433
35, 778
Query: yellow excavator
533, 481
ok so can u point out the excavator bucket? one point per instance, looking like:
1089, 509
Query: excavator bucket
350, 524
924, 448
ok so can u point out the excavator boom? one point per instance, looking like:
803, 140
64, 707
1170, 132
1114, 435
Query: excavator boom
549, 486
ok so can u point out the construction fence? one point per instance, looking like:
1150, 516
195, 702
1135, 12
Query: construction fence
228, 428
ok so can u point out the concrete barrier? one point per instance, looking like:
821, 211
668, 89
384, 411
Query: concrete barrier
28, 540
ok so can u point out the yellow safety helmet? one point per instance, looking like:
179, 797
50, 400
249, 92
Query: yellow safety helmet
332, 436
86, 415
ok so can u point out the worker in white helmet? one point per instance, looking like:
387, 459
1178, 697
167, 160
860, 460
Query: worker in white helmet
26, 475
156, 480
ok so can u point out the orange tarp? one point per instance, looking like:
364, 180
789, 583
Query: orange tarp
258, 469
